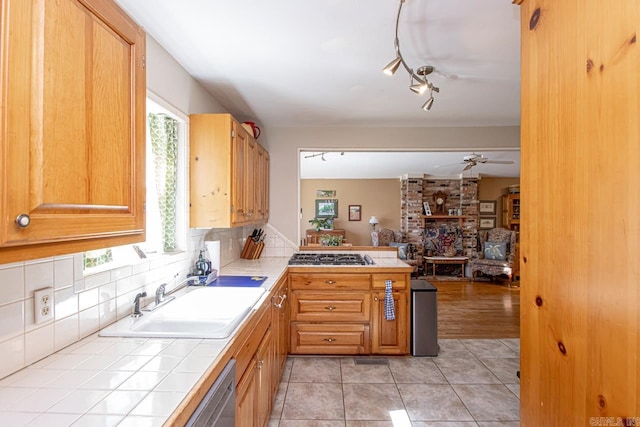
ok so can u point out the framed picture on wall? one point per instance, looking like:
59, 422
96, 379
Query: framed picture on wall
325, 193
486, 223
426, 208
355, 212
487, 207
326, 208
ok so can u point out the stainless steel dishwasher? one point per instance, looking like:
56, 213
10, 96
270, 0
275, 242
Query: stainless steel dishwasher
218, 407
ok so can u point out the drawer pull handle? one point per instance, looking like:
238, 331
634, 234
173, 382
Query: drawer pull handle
330, 339
330, 308
330, 282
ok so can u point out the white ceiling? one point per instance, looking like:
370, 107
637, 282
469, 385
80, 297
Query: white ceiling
292, 63
396, 164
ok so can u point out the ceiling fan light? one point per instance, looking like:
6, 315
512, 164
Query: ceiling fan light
392, 67
427, 105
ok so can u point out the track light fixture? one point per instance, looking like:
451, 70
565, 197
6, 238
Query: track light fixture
419, 82
321, 155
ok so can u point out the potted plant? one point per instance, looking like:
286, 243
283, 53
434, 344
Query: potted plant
322, 223
329, 240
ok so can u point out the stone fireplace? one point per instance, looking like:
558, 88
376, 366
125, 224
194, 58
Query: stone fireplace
461, 194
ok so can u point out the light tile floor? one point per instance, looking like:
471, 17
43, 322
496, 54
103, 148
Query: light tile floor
471, 383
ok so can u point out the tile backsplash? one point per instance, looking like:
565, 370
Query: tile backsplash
84, 305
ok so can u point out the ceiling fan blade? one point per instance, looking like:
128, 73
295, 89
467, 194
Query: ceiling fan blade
500, 162
469, 166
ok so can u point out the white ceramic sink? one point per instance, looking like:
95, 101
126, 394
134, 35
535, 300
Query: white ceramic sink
206, 312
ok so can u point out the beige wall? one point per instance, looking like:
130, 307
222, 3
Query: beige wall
378, 197
285, 143
493, 189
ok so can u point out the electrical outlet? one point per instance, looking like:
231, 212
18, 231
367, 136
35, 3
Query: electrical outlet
43, 305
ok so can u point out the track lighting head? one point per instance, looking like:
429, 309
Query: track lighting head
419, 88
392, 67
427, 105
420, 75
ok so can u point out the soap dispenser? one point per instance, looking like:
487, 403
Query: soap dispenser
203, 265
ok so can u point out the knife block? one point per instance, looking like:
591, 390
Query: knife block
251, 249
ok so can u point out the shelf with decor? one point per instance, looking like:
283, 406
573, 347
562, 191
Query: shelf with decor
436, 218
511, 211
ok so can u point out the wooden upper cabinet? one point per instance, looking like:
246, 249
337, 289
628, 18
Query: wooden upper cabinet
73, 130
240, 168
261, 183
224, 170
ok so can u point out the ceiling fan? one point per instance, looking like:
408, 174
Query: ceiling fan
473, 159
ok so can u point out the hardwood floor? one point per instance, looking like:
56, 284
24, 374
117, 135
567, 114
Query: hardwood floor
469, 309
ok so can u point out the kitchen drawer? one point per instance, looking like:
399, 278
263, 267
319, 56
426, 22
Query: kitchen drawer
399, 280
330, 281
330, 306
329, 338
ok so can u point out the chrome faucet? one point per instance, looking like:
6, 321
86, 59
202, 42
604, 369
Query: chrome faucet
160, 293
136, 304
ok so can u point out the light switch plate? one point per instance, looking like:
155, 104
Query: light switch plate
43, 305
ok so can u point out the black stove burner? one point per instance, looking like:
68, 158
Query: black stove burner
326, 259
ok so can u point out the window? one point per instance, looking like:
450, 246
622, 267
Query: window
166, 173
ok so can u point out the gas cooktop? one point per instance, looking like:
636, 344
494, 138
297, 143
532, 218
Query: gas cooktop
329, 259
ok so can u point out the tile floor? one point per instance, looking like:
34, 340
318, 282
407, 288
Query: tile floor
472, 382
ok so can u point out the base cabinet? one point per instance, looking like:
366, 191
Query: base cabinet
254, 363
246, 392
343, 313
280, 329
389, 336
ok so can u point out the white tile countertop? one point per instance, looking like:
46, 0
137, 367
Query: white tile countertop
109, 381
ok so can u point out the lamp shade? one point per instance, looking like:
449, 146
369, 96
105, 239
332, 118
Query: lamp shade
374, 220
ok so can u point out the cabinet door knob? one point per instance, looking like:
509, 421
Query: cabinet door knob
375, 298
23, 220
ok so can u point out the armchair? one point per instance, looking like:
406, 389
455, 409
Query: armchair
407, 252
495, 254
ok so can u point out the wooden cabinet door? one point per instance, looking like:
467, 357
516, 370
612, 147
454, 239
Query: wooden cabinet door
280, 328
73, 128
265, 181
261, 183
390, 336
238, 174
248, 179
246, 394
265, 362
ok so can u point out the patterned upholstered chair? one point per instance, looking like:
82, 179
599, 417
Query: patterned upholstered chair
495, 254
407, 252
